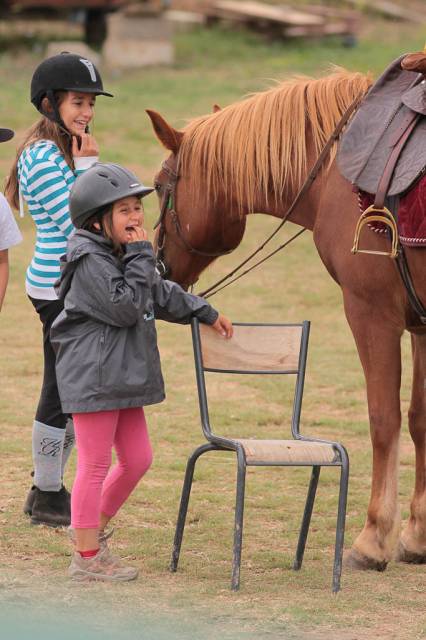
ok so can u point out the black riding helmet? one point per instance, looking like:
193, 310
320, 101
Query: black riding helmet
6, 134
101, 185
64, 72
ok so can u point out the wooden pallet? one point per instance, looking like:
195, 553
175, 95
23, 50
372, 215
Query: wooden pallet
282, 19
252, 10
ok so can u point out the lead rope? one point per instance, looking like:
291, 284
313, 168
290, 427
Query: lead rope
213, 289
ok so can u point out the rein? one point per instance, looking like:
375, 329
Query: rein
216, 286
167, 206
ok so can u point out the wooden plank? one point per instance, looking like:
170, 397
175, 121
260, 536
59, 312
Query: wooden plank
252, 10
330, 29
392, 10
330, 12
68, 4
267, 348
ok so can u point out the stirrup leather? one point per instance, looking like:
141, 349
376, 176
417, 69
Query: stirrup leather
377, 214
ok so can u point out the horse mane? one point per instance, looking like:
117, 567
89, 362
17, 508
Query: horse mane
257, 148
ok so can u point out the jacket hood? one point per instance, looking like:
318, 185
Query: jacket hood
80, 244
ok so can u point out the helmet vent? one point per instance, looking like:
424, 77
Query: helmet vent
110, 180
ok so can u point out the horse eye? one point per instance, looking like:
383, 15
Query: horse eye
157, 186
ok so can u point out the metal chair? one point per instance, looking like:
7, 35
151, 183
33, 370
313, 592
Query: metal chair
263, 349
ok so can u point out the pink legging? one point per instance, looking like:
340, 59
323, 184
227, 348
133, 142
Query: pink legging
97, 488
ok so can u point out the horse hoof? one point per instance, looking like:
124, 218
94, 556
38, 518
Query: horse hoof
412, 557
353, 559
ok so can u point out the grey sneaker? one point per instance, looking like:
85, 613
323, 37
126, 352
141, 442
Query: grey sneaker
103, 566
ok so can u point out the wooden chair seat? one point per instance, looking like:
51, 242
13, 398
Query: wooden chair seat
292, 452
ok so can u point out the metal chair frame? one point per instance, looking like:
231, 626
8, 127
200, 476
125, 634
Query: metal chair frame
219, 443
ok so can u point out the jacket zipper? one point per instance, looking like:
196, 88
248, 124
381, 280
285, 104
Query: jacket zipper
101, 350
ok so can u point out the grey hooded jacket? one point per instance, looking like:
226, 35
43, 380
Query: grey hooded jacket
105, 339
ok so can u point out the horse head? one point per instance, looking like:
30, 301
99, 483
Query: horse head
250, 157
193, 228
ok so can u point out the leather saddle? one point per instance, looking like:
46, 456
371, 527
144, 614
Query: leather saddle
383, 152
392, 102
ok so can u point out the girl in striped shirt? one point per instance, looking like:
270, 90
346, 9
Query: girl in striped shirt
56, 149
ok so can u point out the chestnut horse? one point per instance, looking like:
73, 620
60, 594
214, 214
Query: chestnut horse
253, 156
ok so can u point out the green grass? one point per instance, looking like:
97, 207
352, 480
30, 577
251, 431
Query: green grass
212, 66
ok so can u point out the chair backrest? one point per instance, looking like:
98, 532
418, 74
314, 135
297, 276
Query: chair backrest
253, 349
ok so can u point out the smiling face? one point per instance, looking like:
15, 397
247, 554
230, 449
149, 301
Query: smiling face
127, 215
77, 110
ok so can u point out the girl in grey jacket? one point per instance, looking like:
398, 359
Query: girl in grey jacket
107, 360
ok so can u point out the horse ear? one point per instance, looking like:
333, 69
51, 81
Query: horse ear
216, 108
168, 136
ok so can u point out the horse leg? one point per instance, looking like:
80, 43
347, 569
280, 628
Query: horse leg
379, 349
412, 546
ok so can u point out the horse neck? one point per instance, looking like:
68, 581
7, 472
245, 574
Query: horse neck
305, 211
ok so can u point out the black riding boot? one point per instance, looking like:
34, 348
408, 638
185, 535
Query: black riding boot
51, 507
29, 501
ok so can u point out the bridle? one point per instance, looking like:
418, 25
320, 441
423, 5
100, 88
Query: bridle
168, 207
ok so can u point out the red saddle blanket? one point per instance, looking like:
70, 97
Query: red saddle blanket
411, 215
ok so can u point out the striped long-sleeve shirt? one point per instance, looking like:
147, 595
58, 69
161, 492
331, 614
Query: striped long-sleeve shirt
45, 181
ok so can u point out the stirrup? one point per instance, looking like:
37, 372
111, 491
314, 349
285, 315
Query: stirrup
375, 214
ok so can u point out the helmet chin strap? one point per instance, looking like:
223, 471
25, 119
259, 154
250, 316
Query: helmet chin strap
54, 115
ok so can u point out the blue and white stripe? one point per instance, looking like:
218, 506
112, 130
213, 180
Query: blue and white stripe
45, 181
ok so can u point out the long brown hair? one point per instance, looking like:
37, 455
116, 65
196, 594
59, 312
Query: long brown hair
43, 129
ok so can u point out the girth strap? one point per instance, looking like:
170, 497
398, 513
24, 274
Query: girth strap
404, 271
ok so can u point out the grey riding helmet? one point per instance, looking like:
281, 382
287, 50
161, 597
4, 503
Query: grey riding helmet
103, 184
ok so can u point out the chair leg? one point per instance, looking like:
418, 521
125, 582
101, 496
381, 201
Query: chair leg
239, 513
186, 491
309, 505
340, 525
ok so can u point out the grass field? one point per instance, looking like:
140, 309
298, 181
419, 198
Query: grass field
274, 602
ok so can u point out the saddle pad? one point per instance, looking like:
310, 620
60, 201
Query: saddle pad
367, 142
411, 215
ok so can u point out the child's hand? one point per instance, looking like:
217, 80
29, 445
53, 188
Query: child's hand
223, 326
88, 146
137, 234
